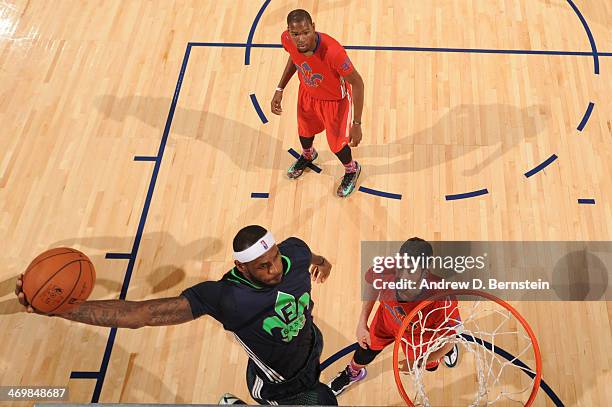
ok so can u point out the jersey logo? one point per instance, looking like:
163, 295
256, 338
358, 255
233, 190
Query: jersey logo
311, 79
346, 65
290, 319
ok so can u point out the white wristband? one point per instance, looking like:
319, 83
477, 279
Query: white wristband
279, 89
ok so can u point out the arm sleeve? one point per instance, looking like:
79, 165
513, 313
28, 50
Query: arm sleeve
204, 299
342, 63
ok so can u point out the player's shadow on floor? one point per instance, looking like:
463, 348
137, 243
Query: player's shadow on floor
247, 147
163, 277
502, 127
160, 279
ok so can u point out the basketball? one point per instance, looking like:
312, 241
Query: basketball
58, 280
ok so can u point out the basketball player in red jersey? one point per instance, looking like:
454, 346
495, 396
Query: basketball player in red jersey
330, 96
442, 317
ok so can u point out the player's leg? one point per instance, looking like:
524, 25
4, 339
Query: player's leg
449, 353
338, 116
356, 370
309, 125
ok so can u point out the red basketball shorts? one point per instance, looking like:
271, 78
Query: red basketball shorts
333, 116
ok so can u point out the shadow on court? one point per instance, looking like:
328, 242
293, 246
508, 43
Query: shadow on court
162, 278
484, 125
246, 147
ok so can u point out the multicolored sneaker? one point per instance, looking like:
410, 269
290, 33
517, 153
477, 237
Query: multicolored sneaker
344, 379
229, 398
450, 359
298, 167
348, 183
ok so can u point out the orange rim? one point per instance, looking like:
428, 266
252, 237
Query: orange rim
423, 304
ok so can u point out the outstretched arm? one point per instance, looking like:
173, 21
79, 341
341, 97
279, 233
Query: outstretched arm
132, 314
120, 313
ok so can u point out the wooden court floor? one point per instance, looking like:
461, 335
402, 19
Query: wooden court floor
87, 86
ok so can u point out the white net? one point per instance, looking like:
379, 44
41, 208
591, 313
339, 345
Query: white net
495, 346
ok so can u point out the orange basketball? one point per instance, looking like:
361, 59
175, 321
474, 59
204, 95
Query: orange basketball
58, 280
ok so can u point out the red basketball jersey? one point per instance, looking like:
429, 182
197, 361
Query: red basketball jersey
321, 74
441, 313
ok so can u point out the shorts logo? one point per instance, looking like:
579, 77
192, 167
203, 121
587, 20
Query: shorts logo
311, 79
264, 244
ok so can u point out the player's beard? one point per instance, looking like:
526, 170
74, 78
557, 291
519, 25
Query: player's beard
269, 285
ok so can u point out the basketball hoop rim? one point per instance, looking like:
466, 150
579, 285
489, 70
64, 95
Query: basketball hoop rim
491, 297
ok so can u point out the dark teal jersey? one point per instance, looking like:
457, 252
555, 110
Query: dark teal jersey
273, 324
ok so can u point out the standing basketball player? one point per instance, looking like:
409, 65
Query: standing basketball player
394, 306
264, 300
330, 96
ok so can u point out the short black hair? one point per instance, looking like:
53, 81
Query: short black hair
297, 16
415, 247
247, 237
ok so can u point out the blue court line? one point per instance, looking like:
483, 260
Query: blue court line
541, 166
143, 218
586, 116
257, 107
586, 201
247, 51
260, 195
503, 353
144, 158
123, 256
341, 353
472, 194
380, 193
311, 166
589, 34
416, 49
84, 375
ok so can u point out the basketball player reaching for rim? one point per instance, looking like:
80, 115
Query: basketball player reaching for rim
442, 316
330, 96
264, 301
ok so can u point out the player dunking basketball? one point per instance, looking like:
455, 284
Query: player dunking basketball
330, 96
394, 306
264, 300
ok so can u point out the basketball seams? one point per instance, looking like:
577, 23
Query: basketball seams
51, 277
73, 287
52, 255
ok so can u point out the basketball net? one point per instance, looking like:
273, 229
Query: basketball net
487, 326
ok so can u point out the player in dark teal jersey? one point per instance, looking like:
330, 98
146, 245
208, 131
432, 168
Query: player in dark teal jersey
264, 300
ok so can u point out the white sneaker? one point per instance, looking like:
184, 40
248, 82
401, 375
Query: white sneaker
229, 398
450, 359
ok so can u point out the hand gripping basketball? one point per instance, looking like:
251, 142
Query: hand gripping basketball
56, 281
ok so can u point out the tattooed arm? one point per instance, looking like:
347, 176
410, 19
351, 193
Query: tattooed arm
132, 314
